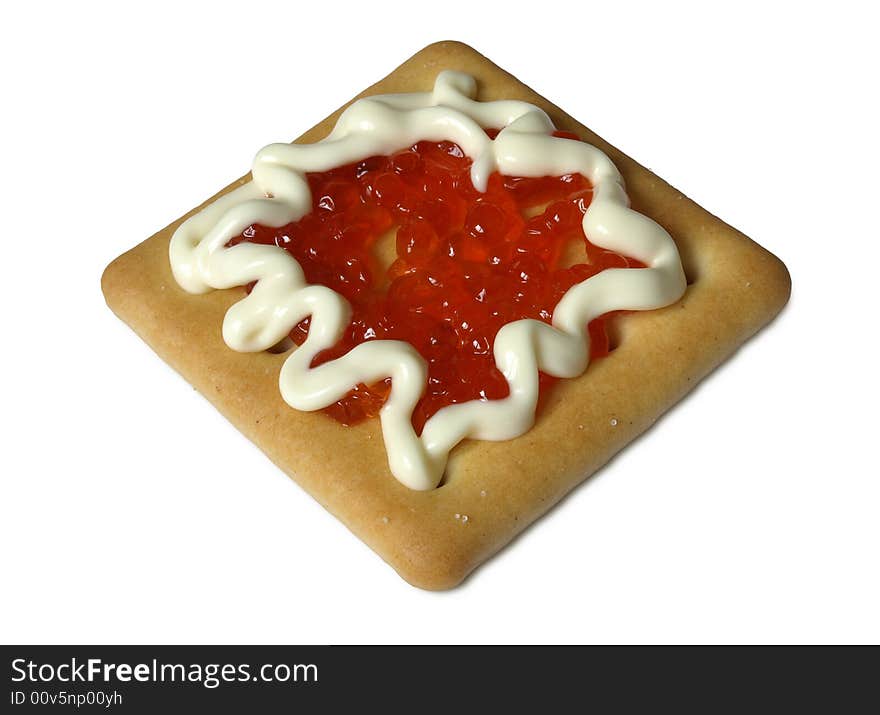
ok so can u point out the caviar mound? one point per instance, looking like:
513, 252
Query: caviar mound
466, 263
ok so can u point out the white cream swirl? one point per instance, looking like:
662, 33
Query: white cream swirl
281, 298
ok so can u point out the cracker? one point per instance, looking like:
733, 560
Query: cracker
735, 288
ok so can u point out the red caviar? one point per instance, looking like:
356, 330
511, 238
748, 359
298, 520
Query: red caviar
466, 264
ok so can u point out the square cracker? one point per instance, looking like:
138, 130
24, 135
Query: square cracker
735, 288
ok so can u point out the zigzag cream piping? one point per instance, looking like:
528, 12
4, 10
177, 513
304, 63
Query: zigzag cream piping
279, 194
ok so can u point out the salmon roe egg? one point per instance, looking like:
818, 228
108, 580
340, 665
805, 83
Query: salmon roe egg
465, 263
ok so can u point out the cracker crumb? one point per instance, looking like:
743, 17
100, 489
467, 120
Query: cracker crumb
614, 422
580, 426
385, 519
483, 493
748, 284
464, 518
458, 516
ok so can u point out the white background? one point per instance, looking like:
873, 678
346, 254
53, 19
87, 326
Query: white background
132, 512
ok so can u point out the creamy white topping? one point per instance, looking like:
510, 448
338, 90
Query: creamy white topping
381, 125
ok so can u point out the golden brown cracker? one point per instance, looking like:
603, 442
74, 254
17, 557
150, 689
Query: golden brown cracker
501, 487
